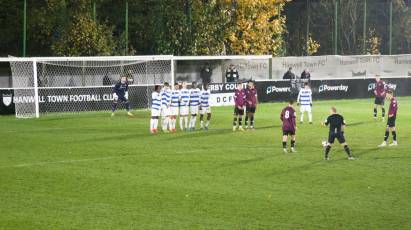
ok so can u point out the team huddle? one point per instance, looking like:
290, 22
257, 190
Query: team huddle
186, 103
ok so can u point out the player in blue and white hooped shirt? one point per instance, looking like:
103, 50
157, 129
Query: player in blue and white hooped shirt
184, 106
155, 109
306, 102
195, 94
205, 107
175, 103
165, 106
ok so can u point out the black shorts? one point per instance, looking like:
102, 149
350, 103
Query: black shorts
379, 101
238, 111
250, 109
121, 99
288, 132
339, 136
391, 122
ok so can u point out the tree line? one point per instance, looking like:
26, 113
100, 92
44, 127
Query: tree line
200, 27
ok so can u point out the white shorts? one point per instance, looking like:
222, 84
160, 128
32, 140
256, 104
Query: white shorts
193, 110
183, 110
205, 110
155, 112
305, 108
173, 111
165, 111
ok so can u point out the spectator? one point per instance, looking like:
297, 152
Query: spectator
231, 75
305, 75
205, 74
289, 74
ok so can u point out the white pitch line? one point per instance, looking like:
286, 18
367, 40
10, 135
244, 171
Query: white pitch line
67, 161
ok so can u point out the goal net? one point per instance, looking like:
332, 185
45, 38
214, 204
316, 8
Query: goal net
70, 85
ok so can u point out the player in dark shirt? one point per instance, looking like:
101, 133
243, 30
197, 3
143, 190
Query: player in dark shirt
392, 115
250, 103
239, 102
120, 94
337, 124
288, 117
379, 93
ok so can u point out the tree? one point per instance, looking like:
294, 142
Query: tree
257, 28
84, 37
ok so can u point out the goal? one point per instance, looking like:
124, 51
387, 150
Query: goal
75, 84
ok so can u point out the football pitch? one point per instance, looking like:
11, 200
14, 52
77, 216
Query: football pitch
91, 171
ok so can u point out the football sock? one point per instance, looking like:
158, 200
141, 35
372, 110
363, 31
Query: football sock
181, 122
252, 120
383, 112
386, 135
151, 123
327, 151
201, 123
155, 123
186, 122
292, 144
113, 107
394, 136
284, 144
246, 120
375, 112
240, 120
310, 117
347, 150
302, 117
235, 121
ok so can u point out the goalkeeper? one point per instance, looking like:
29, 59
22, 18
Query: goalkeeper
120, 94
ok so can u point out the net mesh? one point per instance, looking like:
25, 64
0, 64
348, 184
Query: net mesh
84, 85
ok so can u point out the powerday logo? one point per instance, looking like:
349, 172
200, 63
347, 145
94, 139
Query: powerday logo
274, 89
334, 88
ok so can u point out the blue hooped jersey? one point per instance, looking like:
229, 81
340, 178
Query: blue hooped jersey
205, 98
175, 98
166, 97
120, 88
305, 97
155, 100
195, 97
184, 97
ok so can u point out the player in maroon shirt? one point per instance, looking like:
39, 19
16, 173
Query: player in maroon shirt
239, 101
288, 117
251, 103
392, 115
379, 93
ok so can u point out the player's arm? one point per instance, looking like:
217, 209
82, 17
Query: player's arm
393, 110
282, 116
326, 122
256, 97
298, 97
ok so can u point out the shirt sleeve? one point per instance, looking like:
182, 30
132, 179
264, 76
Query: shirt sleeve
327, 121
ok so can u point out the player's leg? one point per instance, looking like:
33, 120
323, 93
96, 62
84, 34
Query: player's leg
252, 112
386, 135
127, 105
293, 138
394, 136
235, 117
114, 106
331, 138
376, 101
382, 111
341, 140
202, 118
310, 114
208, 119
193, 119
302, 110
284, 139
247, 114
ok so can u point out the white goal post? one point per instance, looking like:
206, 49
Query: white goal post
46, 85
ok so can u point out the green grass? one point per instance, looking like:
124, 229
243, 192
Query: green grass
90, 171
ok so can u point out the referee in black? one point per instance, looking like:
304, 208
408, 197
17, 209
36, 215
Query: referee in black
337, 124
